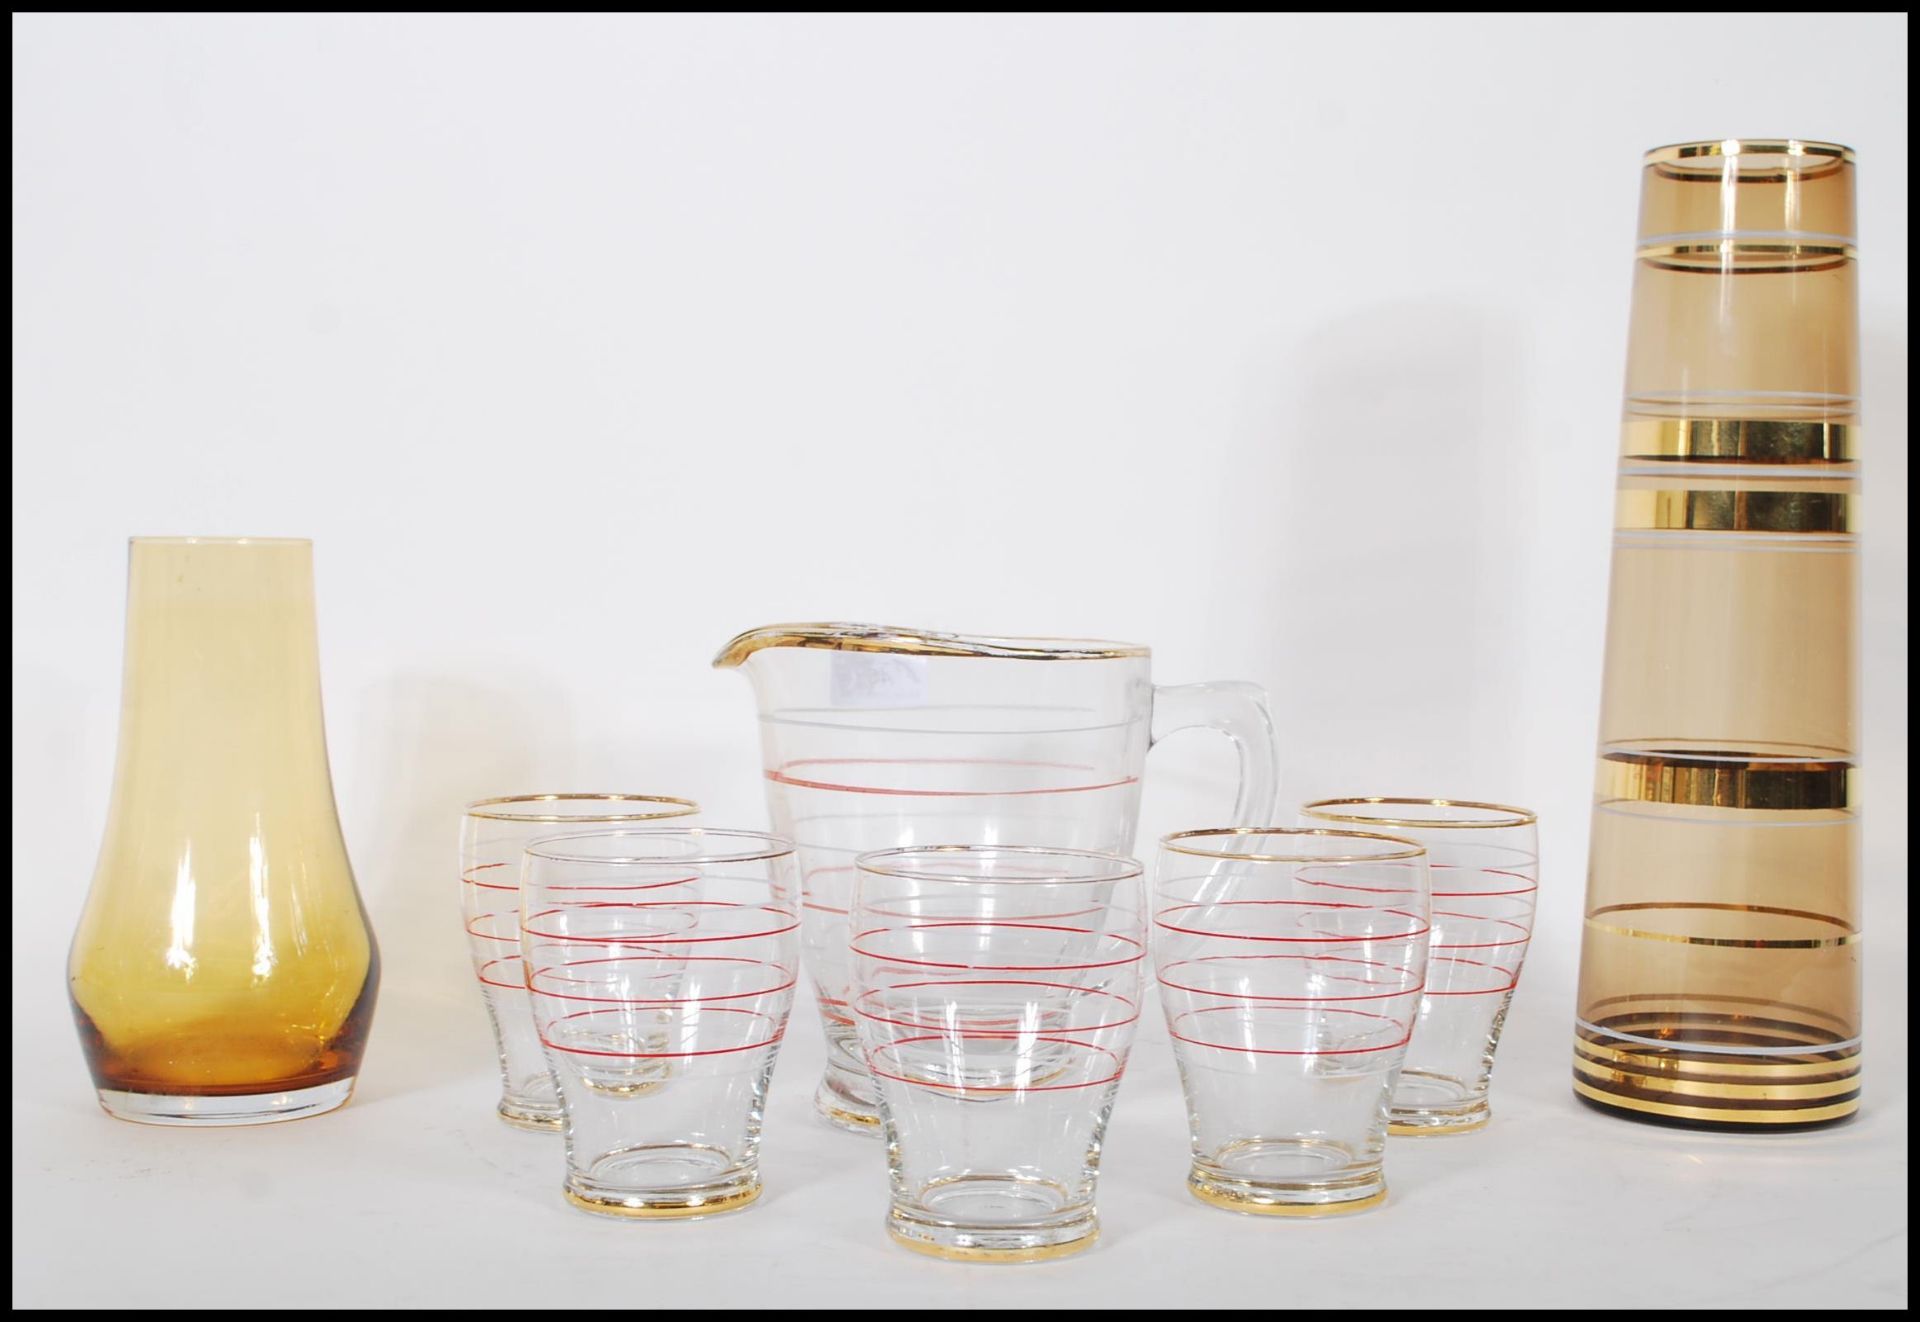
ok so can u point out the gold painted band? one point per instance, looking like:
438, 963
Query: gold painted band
1678, 1063
1610, 1012
1747, 264
1716, 251
1725, 780
1703, 172
1759, 1092
1747, 440
840, 1115
641, 1210
1044, 1253
1725, 1115
1702, 151
1684, 508
1206, 1193
1739, 1034
1413, 1129
1845, 935
917, 642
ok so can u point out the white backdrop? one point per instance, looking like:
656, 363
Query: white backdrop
1290, 346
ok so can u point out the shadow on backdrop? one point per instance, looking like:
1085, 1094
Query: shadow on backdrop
1883, 627
439, 743
1399, 556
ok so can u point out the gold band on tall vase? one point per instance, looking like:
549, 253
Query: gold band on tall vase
1720, 963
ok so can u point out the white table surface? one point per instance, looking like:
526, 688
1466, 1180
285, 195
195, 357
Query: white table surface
416, 1196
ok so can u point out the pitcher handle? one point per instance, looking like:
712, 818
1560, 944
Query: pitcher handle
1239, 711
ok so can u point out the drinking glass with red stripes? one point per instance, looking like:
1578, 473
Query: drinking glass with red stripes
661, 966
1290, 966
996, 991
1485, 859
493, 832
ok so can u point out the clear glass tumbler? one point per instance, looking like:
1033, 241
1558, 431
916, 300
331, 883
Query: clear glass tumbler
1290, 965
492, 835
996, 989
1485, 861
661, 965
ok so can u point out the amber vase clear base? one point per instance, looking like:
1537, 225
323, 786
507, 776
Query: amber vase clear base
148, 1108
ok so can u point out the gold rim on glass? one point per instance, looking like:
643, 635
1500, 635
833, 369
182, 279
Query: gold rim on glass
1413, 848
1678, 152
1510, 816
920, 642
881, 863
770, 846
668, 808
220, 541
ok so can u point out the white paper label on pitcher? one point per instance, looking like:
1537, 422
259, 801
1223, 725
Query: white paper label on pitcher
878, 679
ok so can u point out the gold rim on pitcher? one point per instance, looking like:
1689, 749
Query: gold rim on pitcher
920, 642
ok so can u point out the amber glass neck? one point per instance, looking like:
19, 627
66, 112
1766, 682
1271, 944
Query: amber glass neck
222, 674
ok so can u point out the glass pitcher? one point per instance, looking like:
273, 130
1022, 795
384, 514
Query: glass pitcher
874, 737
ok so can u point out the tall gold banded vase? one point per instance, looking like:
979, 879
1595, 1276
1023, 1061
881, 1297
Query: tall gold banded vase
1719, 972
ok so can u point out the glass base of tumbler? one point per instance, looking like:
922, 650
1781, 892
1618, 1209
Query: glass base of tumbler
843, 1106
1287, 1186
536, 1119
663, 1181
1433, 1104
149, 1108
994, 1218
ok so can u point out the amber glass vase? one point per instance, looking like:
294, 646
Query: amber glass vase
224, 971
1719, 977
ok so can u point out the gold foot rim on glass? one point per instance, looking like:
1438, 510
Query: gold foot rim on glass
725, 1202
1241, 1203
529, 1121
853, 1122
1043, 1253
1416, 1129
